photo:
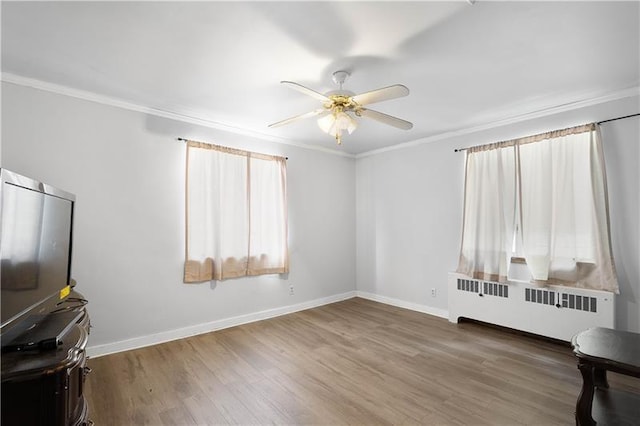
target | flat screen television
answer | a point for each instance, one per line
(35, 251)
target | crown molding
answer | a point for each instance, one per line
(185, 117)
(589, 101)
(192, 118)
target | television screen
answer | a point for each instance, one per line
(35, 250)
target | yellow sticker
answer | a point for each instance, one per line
(65, 292)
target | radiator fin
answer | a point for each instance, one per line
(536, 295)
(565, 300)
(483, 287)
(579, 303)
(496, 289)
(472, 286)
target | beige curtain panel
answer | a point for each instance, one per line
(236, 214)
(542, 198)
(489, 213)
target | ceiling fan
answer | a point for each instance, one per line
(340, 106)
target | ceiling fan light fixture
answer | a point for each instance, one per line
(326, 123)
(345, 122)
(337, 122)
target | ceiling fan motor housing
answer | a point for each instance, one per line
(339, 77)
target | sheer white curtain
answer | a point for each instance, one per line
(236, 213)
(489, 210)
(564, 216)
(268, 216)
(543, 198)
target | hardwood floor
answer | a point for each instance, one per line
(352, 362)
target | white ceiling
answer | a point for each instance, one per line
(466, 65)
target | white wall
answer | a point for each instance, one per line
(622, 160)
(409, 209)
(127, 171)
(408, 218)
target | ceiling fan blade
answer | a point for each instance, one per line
(386, 119)
(309, 92)
(298, 117)
(379, 95)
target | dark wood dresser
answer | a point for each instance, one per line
(47, 387)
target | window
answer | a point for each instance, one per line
(236, 213)
(542, 199)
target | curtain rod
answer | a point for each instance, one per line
(599, 122)
(187, 140)
(618, 118)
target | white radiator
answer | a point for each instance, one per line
(553, 311)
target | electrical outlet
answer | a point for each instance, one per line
(291, 290)
(433, 292)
